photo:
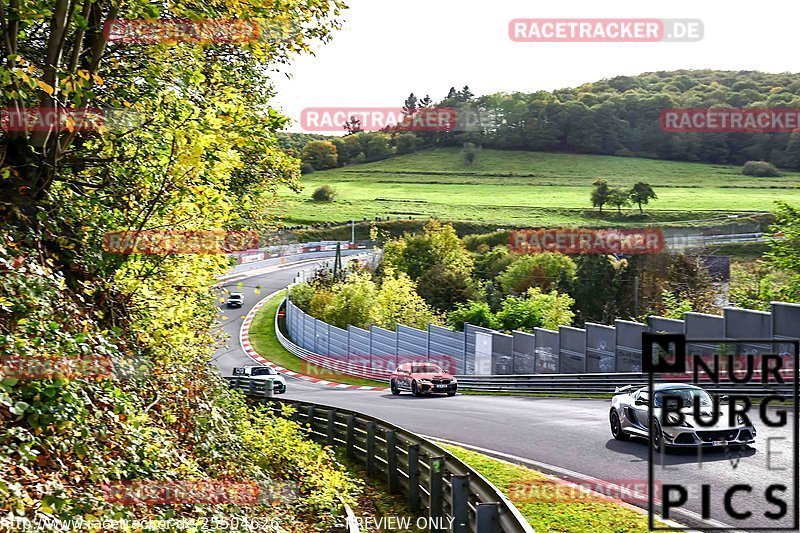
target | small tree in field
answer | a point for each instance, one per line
(619, 198)
(600, 193)
(326, 193)
(641, 194)
(469, 153)
(760, 169)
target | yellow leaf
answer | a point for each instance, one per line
(45, 87)
(83, 73)
(97, 79)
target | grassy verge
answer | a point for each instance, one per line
(573, 516)
(265, 342)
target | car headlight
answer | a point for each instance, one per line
(454, 381)
(425, 381)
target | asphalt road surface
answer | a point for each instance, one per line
(567, 437)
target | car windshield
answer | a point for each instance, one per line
(685, 396)
(235, 297)
(265, 371)
(425, 368)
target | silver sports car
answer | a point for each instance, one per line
(629, 412)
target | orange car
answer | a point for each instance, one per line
(423, 378)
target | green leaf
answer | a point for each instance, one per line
(19, 408)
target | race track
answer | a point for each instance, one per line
(567, 437)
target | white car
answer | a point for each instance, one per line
(263, 373)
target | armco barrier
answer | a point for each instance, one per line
(435, 483)
(601, 384)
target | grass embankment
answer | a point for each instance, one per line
(522, 484)
(265, 342)
(532, 188)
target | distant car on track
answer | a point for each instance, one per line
(630, 410)
(263, 373)
(422, 378)
(235, 299)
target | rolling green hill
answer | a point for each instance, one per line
(532, 188)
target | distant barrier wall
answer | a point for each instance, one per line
(482, 351)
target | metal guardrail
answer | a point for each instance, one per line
(435, 483)
(602, 384)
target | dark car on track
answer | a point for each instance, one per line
(422, 378)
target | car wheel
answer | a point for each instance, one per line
(657, 438)
(451, 393)
(395, 390)
(616, 427)
(414, 389)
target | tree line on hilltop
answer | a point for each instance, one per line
(617, 116)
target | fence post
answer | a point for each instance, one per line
(370, 448)
(310, 416)
(488, 517)
(331, 426)
(350, 439)
(413, 478)
(393, 477)
(436, 489)
(269, 390)
(459, 492)
(252, 387)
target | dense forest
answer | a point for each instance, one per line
(620, 116)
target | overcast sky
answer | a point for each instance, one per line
(389, 48)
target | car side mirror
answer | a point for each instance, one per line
(725, 399)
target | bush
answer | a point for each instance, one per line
(475, 313)
(545, 270)
(301, 295)
(326, 193)
(760, 169)
(306, 168)
(536, 310)
(320, 155)
(469, 153)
